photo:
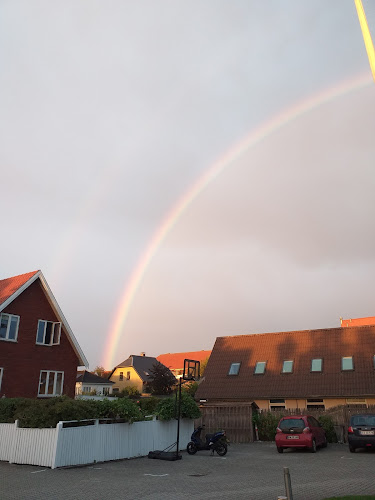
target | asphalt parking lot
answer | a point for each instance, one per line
(249, 471)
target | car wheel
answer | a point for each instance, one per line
(351, 449)
(191, 448)
(313, 446)
(280, 450)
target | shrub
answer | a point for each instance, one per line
(48, 412)
(130, 391)
(8, 408)
(167, 408)
(148, 405)
(267, 424)
(127, 409)
(329, 428)
(190, 388)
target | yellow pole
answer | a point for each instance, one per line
(366, 35)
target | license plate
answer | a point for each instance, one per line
(292, 437)
(366, 433)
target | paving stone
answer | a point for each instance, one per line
(248, 472)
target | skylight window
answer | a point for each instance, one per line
(347, 363)
(316, 365)
(234, 369)
(260, 367)
(288, 366)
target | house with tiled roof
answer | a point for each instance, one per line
(39, 353)
(135, 371)
(175, 361)
(89, 383)
(369, 320)
(299, 369)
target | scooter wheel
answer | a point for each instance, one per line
(221, 449)
(191, 448)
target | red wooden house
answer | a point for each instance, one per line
(39, 354)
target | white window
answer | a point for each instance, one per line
(234, 369)
(347, 363)
(9, 327)
(260, 368)
(86, 389)
(50, 383)
(121, 377)
(288, 366)
(1, 376)
(48, 332)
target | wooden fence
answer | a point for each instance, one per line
(236, 420)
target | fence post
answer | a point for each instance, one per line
(12, 453)
(288, 484)
(57, 453)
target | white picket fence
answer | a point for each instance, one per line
(98, 442)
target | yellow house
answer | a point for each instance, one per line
(133, 372)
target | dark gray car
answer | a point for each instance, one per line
(361, 431)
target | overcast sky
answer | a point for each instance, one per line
(111, 111)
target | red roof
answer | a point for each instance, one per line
(10, 285)
(330, 345)
(175, 361)
(370, 320)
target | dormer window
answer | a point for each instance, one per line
(316, 365)
(48, 332)
(260, 367)
(347, 363)
(9, 327)
(234, 369)
(288, 366)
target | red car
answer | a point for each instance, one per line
(300, 431)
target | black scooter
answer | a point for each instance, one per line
(214, 442)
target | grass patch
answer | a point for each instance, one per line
(353, 497)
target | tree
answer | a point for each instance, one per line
(99, 370)
(203, 366)
(162, 379)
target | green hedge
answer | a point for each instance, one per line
(48, 412)
(167, 408)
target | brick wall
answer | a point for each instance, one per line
(23, 360)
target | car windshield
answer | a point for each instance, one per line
(368, 420)
(289, 423)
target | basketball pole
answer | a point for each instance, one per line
(178, 416)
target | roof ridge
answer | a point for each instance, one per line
(294, 331)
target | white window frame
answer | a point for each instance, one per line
(10, 316)
(1, 376)
(54, 374)
(52, 341)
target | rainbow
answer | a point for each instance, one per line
(253, 138)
